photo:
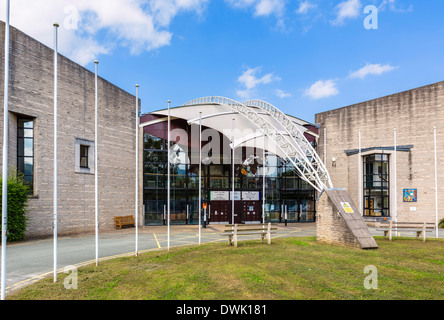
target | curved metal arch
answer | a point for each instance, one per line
(296, 135)
(303, 166)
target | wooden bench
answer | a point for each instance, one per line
(124, 221)
(233, 231)
(421, 228)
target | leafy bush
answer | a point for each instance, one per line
(441, 224)
(18, 193)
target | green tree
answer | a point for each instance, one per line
(18, 193)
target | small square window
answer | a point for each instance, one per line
(84, 156)
(84, 151)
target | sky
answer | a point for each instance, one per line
(302, 56)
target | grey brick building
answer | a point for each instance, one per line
(392, 175)
(31, 123)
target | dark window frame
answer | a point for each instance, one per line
(376, 189)
(83, 156)
(22, 156)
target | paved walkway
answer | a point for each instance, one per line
(30, 261)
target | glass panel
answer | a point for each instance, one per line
(218, 183)
(271, 194)
(21, 164)
(305, 185)
(154, 168)
(154, 181)
(28, 133)
(193, 182)
(292, 183)
(84, 151)
(177, 181)
(253, 183)
(237, 183)
(28, 166)
(83, 162)
(29, 180)
(154, 156)
(217, 171)
(20, 148)
(154, 143)
(272, 183)
(28, 148)
(154, 194)
(84, 156)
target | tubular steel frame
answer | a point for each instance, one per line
(297, 149)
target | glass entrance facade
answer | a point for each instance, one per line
(376, 185)
(286, 195)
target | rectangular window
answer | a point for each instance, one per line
(376, 186)
(25, 150)
(84, 151)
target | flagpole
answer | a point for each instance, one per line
(396, 176)
(263, 186)
(360, 174)
(200, 177)
(137, 170)
(55, 148)
(436, 183)
(5, 157)
(169, 176)
(232, 183)
(96, 169)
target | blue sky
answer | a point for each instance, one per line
(304, 57)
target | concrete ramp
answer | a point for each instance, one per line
(340, 222)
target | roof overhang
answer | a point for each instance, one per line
(223, 119)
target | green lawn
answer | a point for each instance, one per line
(288, 269)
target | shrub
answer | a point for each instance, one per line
(441, 223)
(18, 193)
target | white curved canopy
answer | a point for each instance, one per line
(257, 124)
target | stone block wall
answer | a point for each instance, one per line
(414, 114)
(330, 227)
(31, 90)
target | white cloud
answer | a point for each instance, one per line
(348, 9)
(322, 89)
(260, 7)
(372, 69)
(250, 81)
(139, 25)
(165, 10)
(282, 94)
(304, 7)
(392, 6)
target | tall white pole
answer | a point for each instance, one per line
(233, 182)
(137, 170)
(263, 184)
(5, 158)
(169, 176)
(96, 166)
(55, 148)
(396, 178)
(200, 177)
(360, 175)
(436, 185)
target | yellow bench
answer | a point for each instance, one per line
(124, 221)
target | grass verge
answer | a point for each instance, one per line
(288, 269)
